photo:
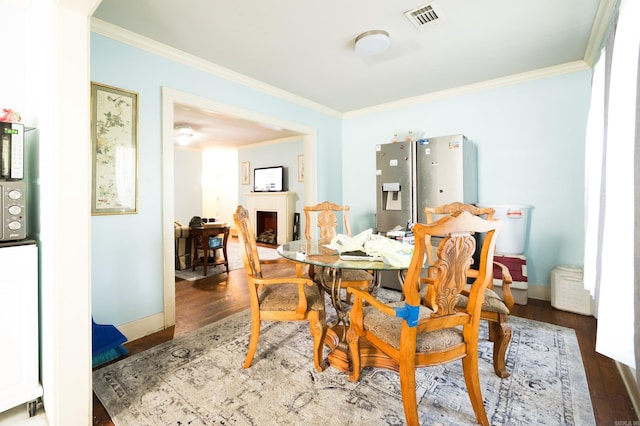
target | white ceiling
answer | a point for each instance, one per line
(306, 48)
(212, 129)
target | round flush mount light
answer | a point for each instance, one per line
(372, 42)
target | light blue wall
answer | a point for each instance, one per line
(277, 154)
(127, 249)
(530, 138)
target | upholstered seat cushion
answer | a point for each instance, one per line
(388, 329)
(347, 275)
(492, 302)
(284, 297)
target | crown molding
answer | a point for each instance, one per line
(599, 30)
(136, 40)
(476, 87)
(122, 35)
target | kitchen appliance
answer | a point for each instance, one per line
(11, 151)
(12, 184)
(413, 174)
(12, 208)
(417, 173)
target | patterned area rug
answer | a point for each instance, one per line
(198, 379)
(235, 262)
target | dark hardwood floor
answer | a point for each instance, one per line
(208, 300)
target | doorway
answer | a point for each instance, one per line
(171, 97)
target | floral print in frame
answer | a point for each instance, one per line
(114, 139)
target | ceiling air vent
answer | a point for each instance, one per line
(423, 15)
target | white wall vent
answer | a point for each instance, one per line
(423, 15)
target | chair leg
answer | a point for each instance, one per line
(500, 335)
(253, 342)
(318, 330)
(354, 351)
(472, 380)
(408, 393)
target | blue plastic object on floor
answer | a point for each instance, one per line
(106, 343)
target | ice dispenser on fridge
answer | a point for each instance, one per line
(391, 196)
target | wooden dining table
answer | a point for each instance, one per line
(314, 252)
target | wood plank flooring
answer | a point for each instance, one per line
(208, 300)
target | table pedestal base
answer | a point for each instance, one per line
(340, 358)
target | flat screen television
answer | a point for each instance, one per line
(269, 179)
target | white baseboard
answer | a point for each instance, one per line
(142, 327)
(629, 378)
(540, 292)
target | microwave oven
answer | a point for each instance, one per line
(11, 151)
(13, 211)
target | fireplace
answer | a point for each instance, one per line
(267, 227)
(272, 210)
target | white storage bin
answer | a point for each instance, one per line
(568, 292)
(515, 223)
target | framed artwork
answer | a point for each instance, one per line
(301, 168)
(114, 153)
(246, 176)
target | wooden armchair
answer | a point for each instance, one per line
(409, 334)
(495, 309)
(281, 298)
(327, 223)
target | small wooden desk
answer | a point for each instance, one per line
(200, 241)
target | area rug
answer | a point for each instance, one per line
(198, 379)
(235, 262)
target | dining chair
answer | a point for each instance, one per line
(278, 298)
(326, 224)
(495, 309)
(410, 335)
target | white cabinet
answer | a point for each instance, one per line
(19, 357)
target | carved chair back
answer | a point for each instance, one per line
(326, 220)
(448, 274)
(247, 239)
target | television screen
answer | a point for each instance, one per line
(268, 179)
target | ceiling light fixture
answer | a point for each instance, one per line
(372, 42)
(183, 133)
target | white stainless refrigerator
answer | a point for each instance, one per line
(415, 174)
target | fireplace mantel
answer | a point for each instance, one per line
(283, 203)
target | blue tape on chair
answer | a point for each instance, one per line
(409, 313)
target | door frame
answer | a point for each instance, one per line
(169, 98)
